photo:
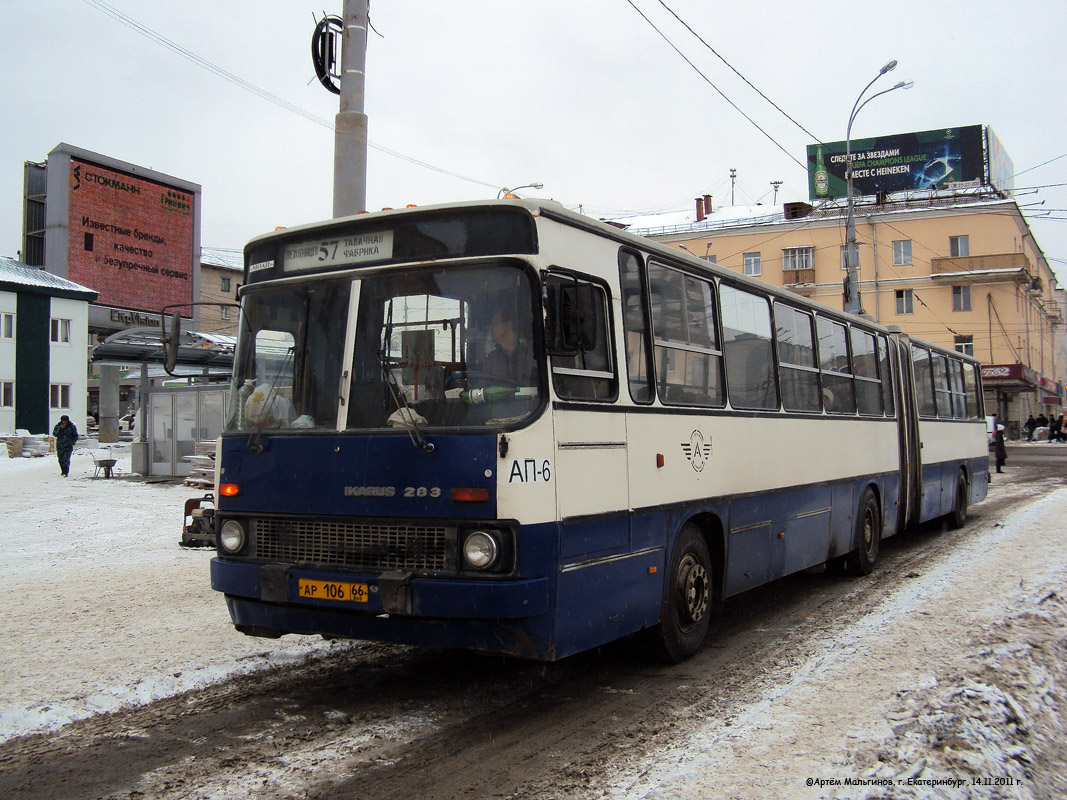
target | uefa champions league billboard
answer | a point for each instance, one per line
(937, 159)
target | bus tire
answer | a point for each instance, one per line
(958, 516)
(687, 607)
(868, 535)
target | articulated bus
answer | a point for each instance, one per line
(507, 427)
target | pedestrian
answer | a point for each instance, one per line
(1042, 421)
(999, 451)
(1030, 426)
(66, 434)
(1055, 430)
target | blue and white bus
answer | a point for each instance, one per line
(507, 427)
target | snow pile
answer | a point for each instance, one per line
(106, 610)
(982, 735)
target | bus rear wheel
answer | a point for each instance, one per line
(868, 535)
(687, 606)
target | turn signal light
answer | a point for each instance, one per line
(229, 489)
(470, 495)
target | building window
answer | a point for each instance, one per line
(7, 394)
(712, 259)
(61, 331)
(959, 246)
(905, 301)
(7, 326)
(844, 256)
(225, 311)
(60, 395)
(752, 264)
(961, 298)
(225, 284)
(798, 257)
(902, 252)
(965, 345)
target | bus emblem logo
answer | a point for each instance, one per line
(697, 450)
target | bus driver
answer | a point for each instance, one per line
(512, 359)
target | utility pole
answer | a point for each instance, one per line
(350, 126)
(733, 178)
(775, 184)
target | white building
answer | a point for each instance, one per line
(44, 341)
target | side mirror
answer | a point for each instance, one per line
(170, 339)
(573, 316)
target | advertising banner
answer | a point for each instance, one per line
(129, 238)
(902, 162)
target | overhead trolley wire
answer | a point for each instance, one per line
(248, 86)
(738, 74)
(713, 86)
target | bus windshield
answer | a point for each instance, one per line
(433, 348)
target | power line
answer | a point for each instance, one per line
(248, 86)
(713, 86)
(738, 74)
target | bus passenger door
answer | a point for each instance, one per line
(910, 450)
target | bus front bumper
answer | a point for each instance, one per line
(388, 593)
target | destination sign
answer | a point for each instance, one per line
(342, 251)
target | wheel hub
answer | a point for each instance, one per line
(694, 589)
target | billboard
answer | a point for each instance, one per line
(901, 162)
(129, 238)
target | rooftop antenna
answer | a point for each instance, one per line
(776, 184)
(733, 179)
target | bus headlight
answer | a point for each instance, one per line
(232, 536)
(481, 550)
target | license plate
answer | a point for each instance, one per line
(334, 590)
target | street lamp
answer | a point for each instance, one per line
(852, 292)
(510, 193)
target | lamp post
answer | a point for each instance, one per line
(852, 292)
(510, 193)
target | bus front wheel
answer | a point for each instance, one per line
(687, 606)
(868, 535)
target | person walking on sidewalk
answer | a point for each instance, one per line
(66, 436)
(1000, 453)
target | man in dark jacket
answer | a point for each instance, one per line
(1000, 452)
(66, 435)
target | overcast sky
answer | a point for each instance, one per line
(581, 95)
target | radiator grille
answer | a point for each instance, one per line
(360, 546)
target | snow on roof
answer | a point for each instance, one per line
(743, 216)
(225, 257)
(16, 276)
(679, 221)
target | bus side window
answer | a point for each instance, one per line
(685, 338)
(942, 392)
(970, 383)
(924, 381)
(639, 367)
(956, 386)
(796, 359)
(837, 385)
(580, 343)
(865, 366)
(887, 376)
(749, 348)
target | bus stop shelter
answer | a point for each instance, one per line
(175, 410)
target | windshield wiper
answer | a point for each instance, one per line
(407, 415)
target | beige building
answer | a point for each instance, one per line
(963, 272)
(220, 277)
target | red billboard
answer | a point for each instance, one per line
(129, 238)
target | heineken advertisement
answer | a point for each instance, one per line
(899, 163)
